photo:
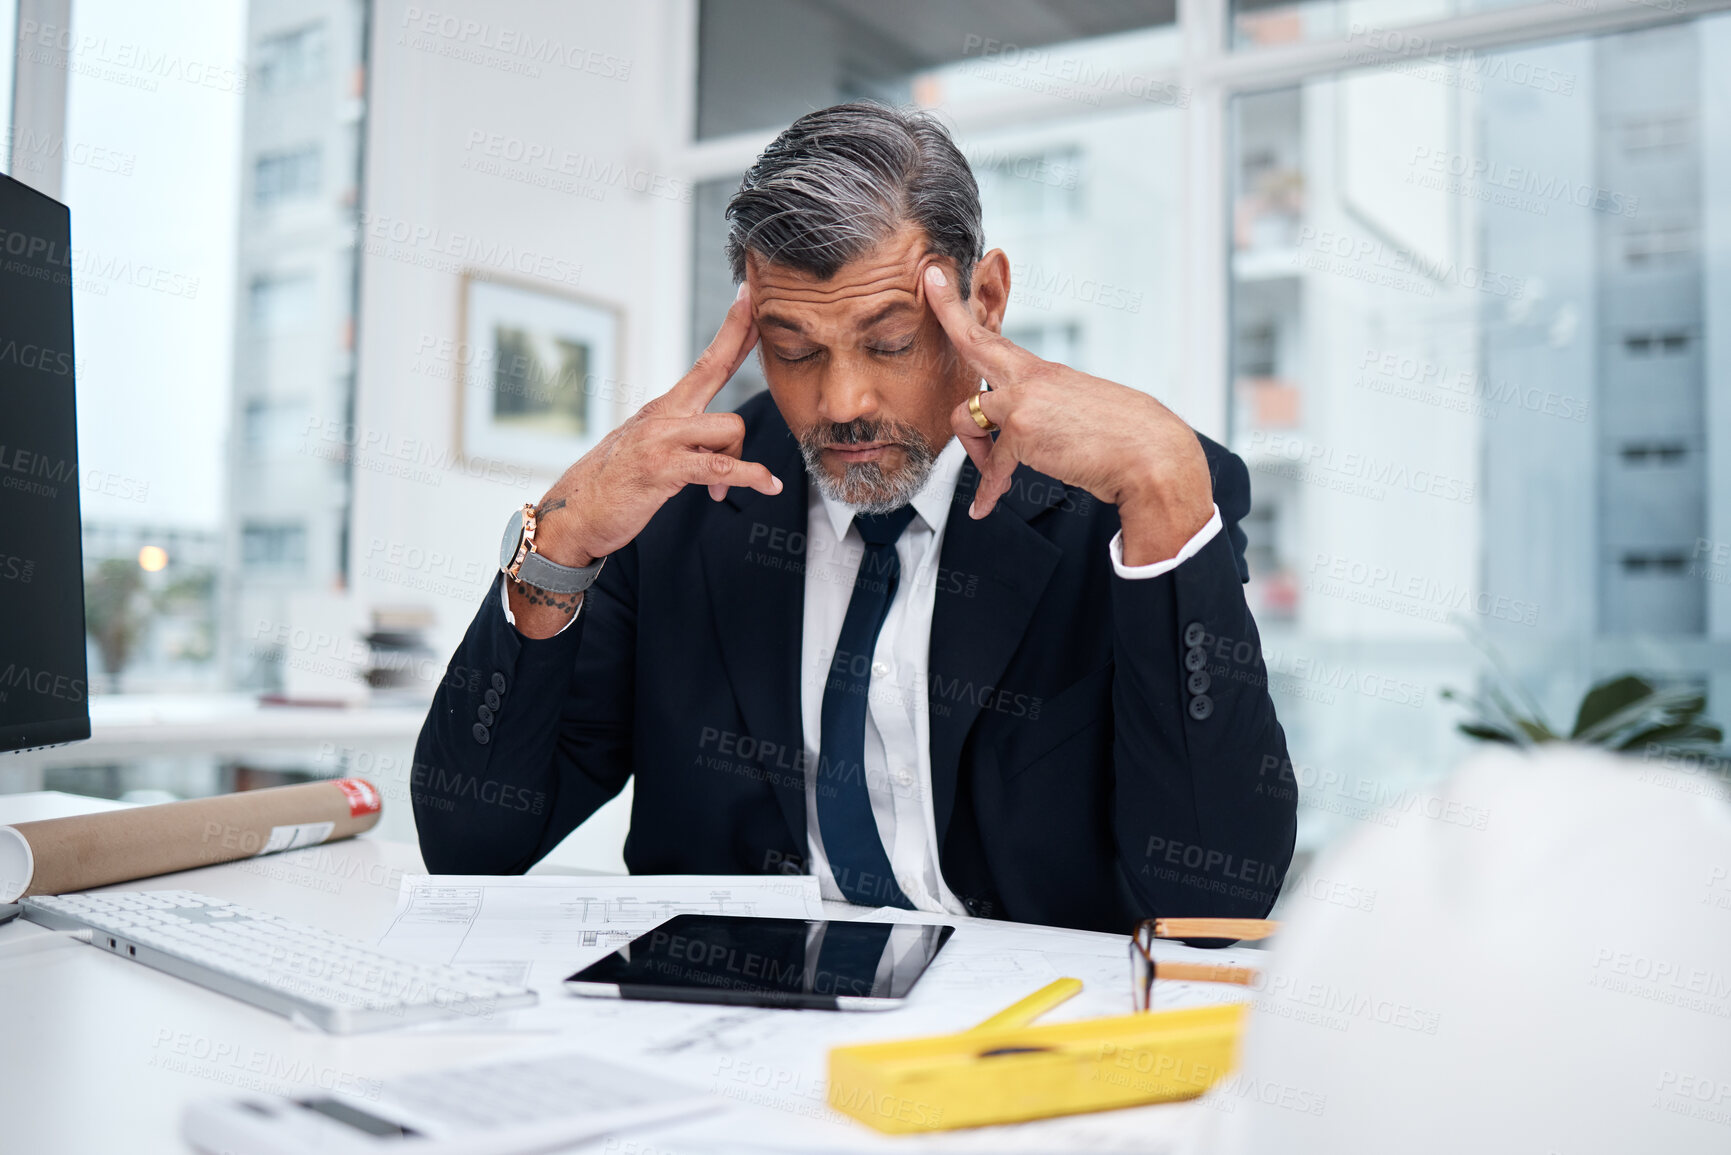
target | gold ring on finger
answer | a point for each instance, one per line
(980, 418)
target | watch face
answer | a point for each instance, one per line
(513, 539)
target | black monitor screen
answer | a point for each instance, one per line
(43, 687)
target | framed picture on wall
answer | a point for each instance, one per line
(540, 381)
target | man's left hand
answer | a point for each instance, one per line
(1118, 443)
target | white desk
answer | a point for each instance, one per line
(99, 1054)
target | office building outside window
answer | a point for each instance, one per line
(274, 548)
(290, 470)
(1472, 331)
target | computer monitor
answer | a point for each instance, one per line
(44, 686)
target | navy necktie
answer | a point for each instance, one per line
(844, 808)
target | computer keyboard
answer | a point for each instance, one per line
(335, 983)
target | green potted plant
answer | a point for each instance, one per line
(1627, 713)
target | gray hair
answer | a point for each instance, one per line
(840, 180)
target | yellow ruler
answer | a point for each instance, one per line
(1006, 1070)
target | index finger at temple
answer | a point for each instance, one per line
(990, 355)
(717, 364)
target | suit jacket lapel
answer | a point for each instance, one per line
(1001, 565)
(756, 586)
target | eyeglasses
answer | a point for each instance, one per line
(1144, 970)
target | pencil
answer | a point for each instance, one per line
(1204, 973)
(1239, 928)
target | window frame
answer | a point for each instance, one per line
(1211, 72)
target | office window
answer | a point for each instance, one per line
(1060, 342)
(1471, 328)
(280, 548)
(290, 60)
(280, 304)
(273, 426)
(1650, 134)
(150, 166)
(286, 176)
(1035, 188)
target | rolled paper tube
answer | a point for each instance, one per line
(62, 855)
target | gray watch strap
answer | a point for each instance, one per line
(546, 575)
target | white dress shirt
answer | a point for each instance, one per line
(898, 761)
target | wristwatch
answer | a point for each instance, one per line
(520, 562)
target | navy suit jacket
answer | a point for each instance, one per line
(1083, 774)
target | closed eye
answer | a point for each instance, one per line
(891, 351)
(789, 359)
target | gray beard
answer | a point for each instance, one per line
(866, 487)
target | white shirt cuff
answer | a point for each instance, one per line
(1156, 568)
(505, 600)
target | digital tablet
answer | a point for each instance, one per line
(768, 962)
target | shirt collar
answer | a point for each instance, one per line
(932, 503)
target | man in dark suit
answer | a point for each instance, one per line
(980, 652)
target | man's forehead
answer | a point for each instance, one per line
(866, 284)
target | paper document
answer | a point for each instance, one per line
(771, 1064)
(539, 929)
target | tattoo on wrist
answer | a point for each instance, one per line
(536, 596)
(549, 506)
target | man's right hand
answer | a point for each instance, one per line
(609, 494)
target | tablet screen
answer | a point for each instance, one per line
(783, 960)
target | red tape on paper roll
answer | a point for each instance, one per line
(363, 798)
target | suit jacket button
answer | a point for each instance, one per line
(491, 697)
(1201, 706)
(485, 715)
(499, 681)
(1198, 682)
(1195, 634)
(1195, 658)
(481, 733)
